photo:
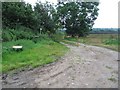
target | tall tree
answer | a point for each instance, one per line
(77, 17)
(17, 13)
(44, 17)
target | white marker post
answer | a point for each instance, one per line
(40, 31)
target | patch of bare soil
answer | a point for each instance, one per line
(82, 67)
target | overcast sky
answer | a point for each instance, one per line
(108, 13)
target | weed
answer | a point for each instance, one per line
(108, 67)
(112, 79)
(103, 40)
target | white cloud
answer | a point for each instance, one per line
(108, 14)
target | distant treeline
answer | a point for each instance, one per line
(105, 31)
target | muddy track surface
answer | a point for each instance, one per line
(82, 67)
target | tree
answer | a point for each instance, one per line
(44, 17)
(17, 20)
(17, 13)
(21, 14)
(77, 17)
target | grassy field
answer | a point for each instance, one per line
(103, 40)
(33, 54)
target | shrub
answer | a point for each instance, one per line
(7, 35)
(15, 34)
(41, 37)
(58, 36)
(22, 32)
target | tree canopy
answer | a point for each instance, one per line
(77, 17)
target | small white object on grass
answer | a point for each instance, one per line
(17, 47)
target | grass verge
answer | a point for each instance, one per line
(70, 42)
(34, 55)
(103, 40)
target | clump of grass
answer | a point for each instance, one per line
(71, 43)
(103, 40)
(59, 36)
(108, 67)
(71, 39)
(111, 42)
(112, 79)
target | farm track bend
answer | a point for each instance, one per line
(83, 66)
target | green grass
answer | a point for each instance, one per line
(34, 55)
(70, 42)
(103, 40)
(111, 42)
(7, 46)
(112, 79)
(71, 39)
(108, 67)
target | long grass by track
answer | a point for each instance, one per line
(33, 55)
(103, 40)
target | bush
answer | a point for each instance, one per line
(41, 37)
(7, 35)
(23, 32)
(15, 34)
(58, 36)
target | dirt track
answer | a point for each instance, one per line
(82, 67)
